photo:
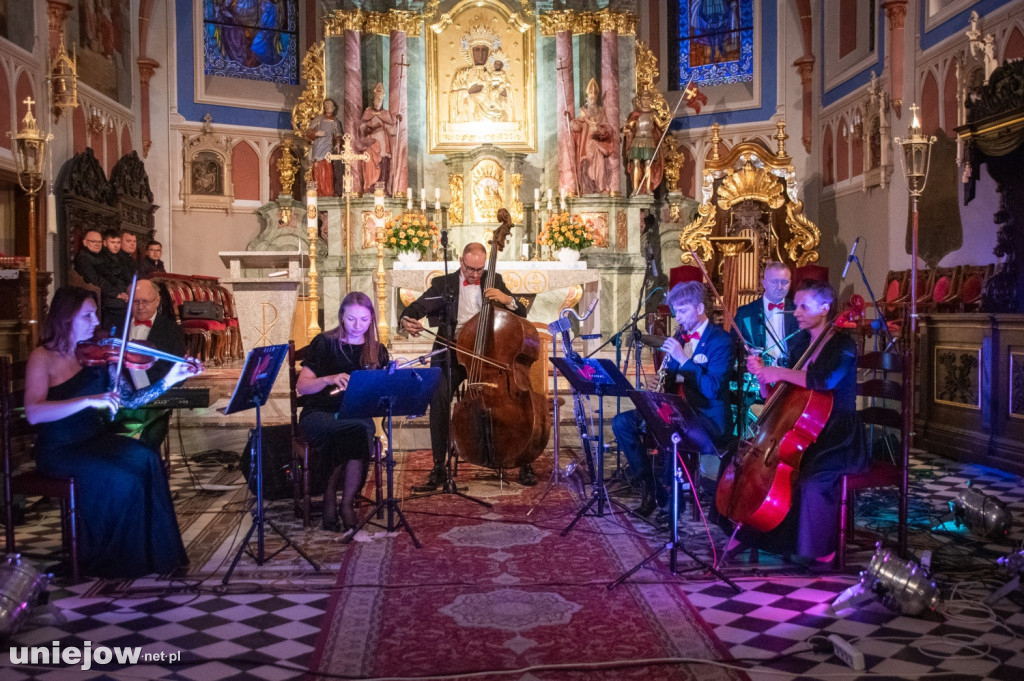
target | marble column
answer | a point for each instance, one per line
(610, 97)
(896, 12)
(565, 88)
(146, 68)
(398, 104)
(352, 107)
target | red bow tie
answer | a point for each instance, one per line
(687, 337)
(776, 306)
(144, 322)
(465, 282)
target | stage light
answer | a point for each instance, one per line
(21, 585)
(901, 585)
(1014, 564)
(983, 515)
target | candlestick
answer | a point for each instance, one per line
(549, 199)
(423, 203)
(536, 196)
(408, 203)
(437, 201)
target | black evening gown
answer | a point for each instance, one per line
(126, 522)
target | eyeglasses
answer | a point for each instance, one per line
(147, 301)
(474, 270)
(92, 241)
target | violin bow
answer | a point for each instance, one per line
(124, 339)
(721, 301)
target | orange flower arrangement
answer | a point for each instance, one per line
(411, 232)
(564, 231)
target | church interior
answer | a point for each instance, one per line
(249, 177)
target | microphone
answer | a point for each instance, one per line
(650, 259)
(856, 242)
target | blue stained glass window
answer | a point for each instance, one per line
(251, 39)
(714, 41)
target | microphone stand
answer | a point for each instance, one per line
(879, 324)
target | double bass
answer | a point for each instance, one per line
(499, 421)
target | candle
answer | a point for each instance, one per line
(423, 204)
(437, 203)
(423, 194)
(536, 196)
(526, 251)
(549, 198)
(408, 203)
(536, 204)
(437, 195)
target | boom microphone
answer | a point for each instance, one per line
(856, 242)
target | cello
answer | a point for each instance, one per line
(497, 347)
(756, 488)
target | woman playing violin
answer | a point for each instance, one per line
(126, 517)
(809, 531)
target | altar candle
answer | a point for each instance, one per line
(408, 203)
(423, 194)
(437, 195)
(437, 203)
(536, 196)
(536, 203)
(562, 199)
(549, 199)
(526, 251)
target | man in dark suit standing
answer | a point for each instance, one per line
(97, 267)
(466, 287)
(163, 333)
(699, 367)
(769, 327)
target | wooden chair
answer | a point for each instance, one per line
(943, 289)
(880, 386)
(30, 482)
(971, 287)
(894, 289)
(303, 452)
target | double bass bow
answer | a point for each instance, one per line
(498, 405)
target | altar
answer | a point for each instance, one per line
(544, 279)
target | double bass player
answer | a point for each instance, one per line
(466, 286)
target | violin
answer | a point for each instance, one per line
(138, 354)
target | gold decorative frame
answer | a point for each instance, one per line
(444, 56)
(750, 172)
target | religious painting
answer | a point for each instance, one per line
(480, 76)
(715, 41)
(207, 174)
(488, 190)
(251, 39)
(104, 47)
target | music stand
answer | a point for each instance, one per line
(589, 376)
(385, 393)
(253, 389)
(669, 419)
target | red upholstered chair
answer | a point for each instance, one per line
(678, 275)
(235, 350)
(942, 289)
(197, 339)
(971, 288)
(812, 271)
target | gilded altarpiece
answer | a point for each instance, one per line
(481, 84)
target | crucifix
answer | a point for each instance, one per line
(347, 156)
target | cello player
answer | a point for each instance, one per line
(466, 285)
(699, 369)
(809, 530)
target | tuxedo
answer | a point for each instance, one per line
(703, 379)
(165, 335)
(431, 305)
(750, 324)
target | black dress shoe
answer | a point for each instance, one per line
(646, 507)
(526, 476)
(330, 525)
(433, 481)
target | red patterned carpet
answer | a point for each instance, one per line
(495, 589)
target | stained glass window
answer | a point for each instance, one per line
(251, 39)
(714, 41)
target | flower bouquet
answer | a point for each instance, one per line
(567, 234)
(411, 233)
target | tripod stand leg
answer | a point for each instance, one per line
(639, 565)
(289, 542)
(238, 554)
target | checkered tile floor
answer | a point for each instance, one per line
(266, 628)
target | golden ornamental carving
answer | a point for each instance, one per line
(311, 101)
(585, 23)
(339, 21)
(646, 76)
(487, 189)
(696, 235)
(750, 183)
(674, 159)
(804, 235)
(287, 167)
(515, 207)
(455, 207)
(572, 298)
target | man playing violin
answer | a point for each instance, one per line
(159, 330)
(698, 367)
(809, 530)
(468, 293)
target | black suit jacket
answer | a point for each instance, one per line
(167, 336)
(431, 304)
(750, 324)
(99, 269)
(704, 380)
